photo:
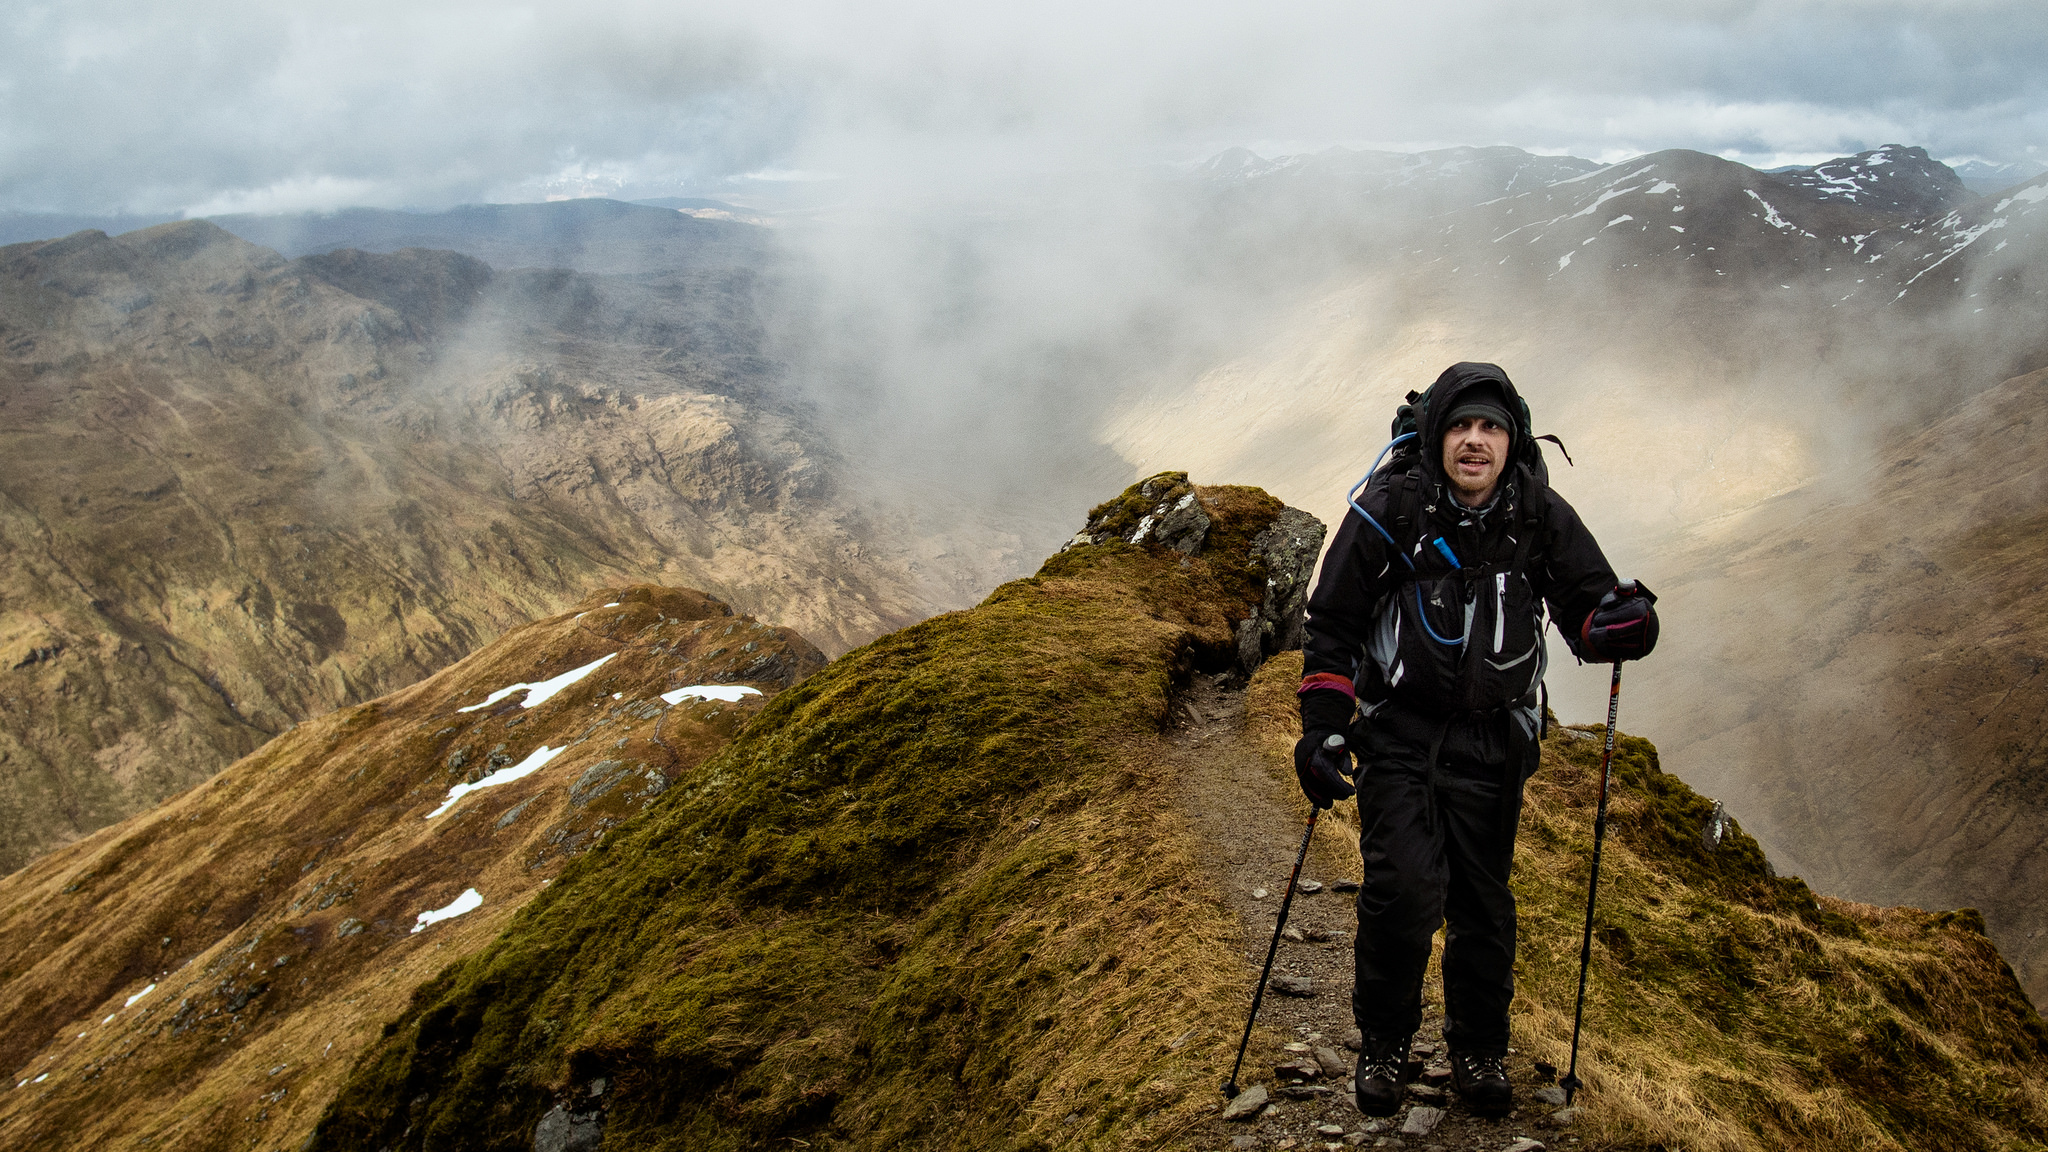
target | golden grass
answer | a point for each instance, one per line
(233, 897)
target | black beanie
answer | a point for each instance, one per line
(1483, 399)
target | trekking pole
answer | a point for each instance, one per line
(1258, 997)
(1571, 1082)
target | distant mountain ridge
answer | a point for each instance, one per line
(1891, 179)
(587, 235)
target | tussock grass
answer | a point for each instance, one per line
(933, 897)
(1729, 1009)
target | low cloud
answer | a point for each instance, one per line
(115, 104)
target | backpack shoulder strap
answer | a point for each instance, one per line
(1532, 515)
(1405, 502)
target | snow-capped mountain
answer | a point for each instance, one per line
(1686, 212)
(1893, 178)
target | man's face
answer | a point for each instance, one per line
(1475, 451)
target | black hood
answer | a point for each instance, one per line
(1443, 397)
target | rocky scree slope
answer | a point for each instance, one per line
(934, 896)
(1903, 752)
(203, 974)
(238, 491)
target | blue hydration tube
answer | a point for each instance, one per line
(1352, 499)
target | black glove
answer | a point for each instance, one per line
(1322, 763)
(1326, 710)
(1623, 627)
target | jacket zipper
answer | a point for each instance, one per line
(1500, 607)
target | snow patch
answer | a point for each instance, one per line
(2034, 195)
(138, 996)
(1772, 218)
(1563, 260)
(1616, 220)
(1966, 238)
(469, 901)
(534, 762)
(730, 693)
(1609, 194)
(1663, 186)
(545, 690)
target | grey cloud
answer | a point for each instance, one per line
(114, 104)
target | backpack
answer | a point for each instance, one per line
(1496, 660)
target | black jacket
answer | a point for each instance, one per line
(1378, 622)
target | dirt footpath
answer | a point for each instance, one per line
(1250, 815)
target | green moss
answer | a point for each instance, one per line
(1120, 516)
(1763, 1015)
(925, 899)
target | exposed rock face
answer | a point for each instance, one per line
(1163, 509)
(1287, 550)
(237, 492)
(1167, 511)
(273, 914)
(564, 1131)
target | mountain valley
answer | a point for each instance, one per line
(242, 492)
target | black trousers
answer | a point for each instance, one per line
(1438, 841)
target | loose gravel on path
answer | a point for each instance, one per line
(1251, 822)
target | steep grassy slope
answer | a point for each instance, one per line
(201, 975)
(1730, 1009)
(935, 896)
(1902, 641)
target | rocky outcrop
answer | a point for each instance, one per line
(1163, 510)
(1168, 512)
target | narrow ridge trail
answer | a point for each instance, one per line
(1238, 793)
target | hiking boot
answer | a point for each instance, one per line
(1382, 1065)
(1482, 1082)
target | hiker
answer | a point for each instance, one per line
(1424, 649)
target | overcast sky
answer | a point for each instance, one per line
(211, 107)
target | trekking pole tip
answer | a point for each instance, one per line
(1230, 1089)
(1571, 1085)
